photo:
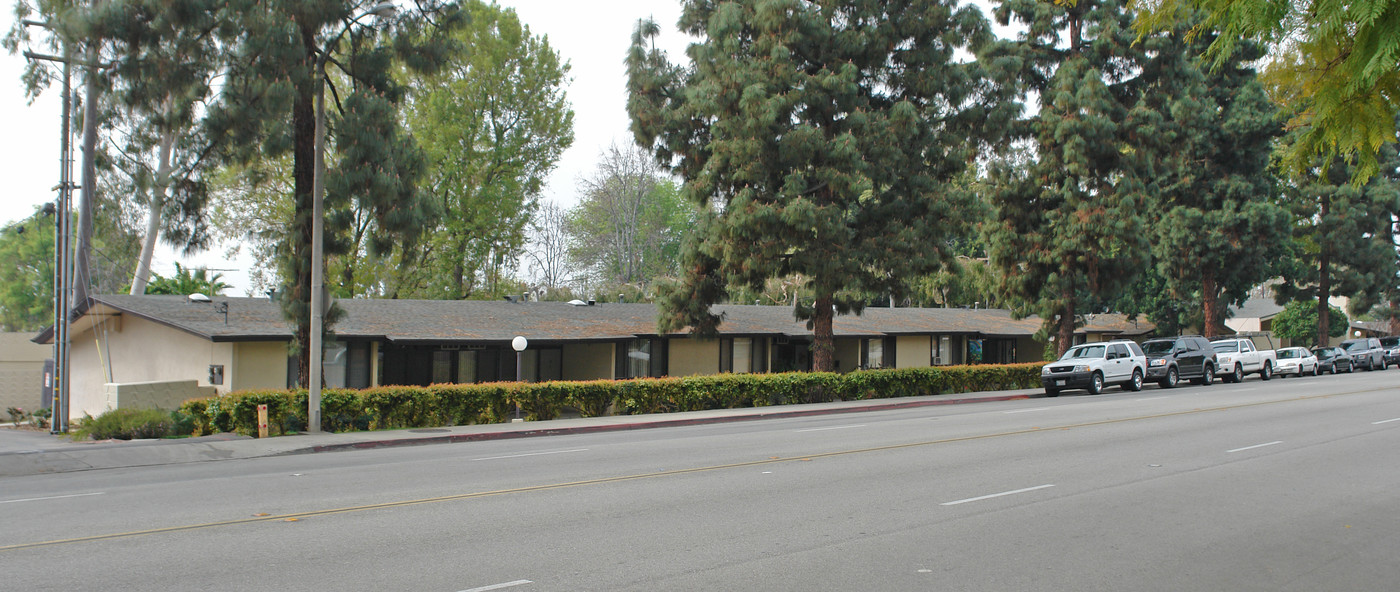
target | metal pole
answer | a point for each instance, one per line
(64, 256)
(318, 187)
(519, 355)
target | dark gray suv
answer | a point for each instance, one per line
(1365, 352)
(1172, 359)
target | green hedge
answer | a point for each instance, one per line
(396, 407)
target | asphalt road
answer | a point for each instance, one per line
(1281, 485)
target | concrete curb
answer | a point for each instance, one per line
(52, 455)
(642, 425)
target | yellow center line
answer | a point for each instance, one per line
(621, 478)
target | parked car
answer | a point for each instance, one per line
(1296, 361)
(1237, 357)
(1365, 352)
(1392, 350)
(1333, 359)
(1172, 359)
(1091, 366)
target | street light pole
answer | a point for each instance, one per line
(318, 191)
(519, 344)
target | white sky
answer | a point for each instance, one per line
(592, 37)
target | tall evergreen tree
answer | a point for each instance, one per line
(821, 139)
(267, 109)
(1221, 231)
(1068, 231)
(1343, 238)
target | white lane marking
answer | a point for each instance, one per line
(36, 499)
(499, 586)
(1148, 399)
(1384, 421)
(1028, 410)
(531, 454)
(987, 497)
(845, 427)
(1255, 446)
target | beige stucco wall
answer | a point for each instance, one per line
(141, 351)
(153, 395)
(912, 351)
(257, 365)
(847, 354)
(21, 371)
(693, 356)
(588, 361)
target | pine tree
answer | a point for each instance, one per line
(1343, 238)
(820, 138)
(1068, 231)
(266, 110)
(1221, 231)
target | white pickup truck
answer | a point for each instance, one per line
(1238, 356)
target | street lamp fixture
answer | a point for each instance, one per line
(519, 344)
(318, 191)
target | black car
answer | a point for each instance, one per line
(1171, 359)
(1392, 350)
(1332, 359)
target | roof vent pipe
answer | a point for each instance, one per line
(591, 302)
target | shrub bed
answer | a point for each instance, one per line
(396, 407)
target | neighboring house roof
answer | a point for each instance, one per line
(1256, 308)
(439, 321)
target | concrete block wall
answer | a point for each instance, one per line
(166, 395)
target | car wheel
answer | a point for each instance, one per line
(1238, 375)
(1136, 383)
(1317, 370)
(1096, 384)
(1171, 379)
(1267, 372)
(1208, 378)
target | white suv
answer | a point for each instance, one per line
(1092, 365)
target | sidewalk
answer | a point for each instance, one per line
(24, 452)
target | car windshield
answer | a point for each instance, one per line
(1354, 346)
(1083, 352)
(1226, 347)
(1158, 347)
(1289, 354)
(1322, 352)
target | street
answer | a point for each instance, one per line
(1281, 485)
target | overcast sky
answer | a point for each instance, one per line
(593, 37)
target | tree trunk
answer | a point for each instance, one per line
(1064, 335)
(1324, 282)
(153, 218)
(1210, 299)
(82, 272)
(823, 340)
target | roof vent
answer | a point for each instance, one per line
(591, 302)
(511, 298)
(197, 297)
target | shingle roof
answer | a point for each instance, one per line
(436, 321)
(1256, 308)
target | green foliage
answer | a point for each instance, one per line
(493, 123)
(132, 424)
(188, 281)
(398, 407)
(1298, 322)
(1220, 232)
(1068, 233)
(822, 139)
(26, 280)
(1335, 67)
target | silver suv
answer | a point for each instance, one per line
(1365, 353)
(1091, 366)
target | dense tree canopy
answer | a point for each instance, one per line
(1068, 232)
(1335, 67)
(1299, 323)
(821, 138)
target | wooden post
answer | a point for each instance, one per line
(262, 421)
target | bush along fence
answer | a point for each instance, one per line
(395, 407)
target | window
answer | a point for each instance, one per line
(638, 358)
(466, 366)
(874, 353)
(442, 367)
(743, 355)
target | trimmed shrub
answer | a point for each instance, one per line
(396, 407)
(132, 424)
